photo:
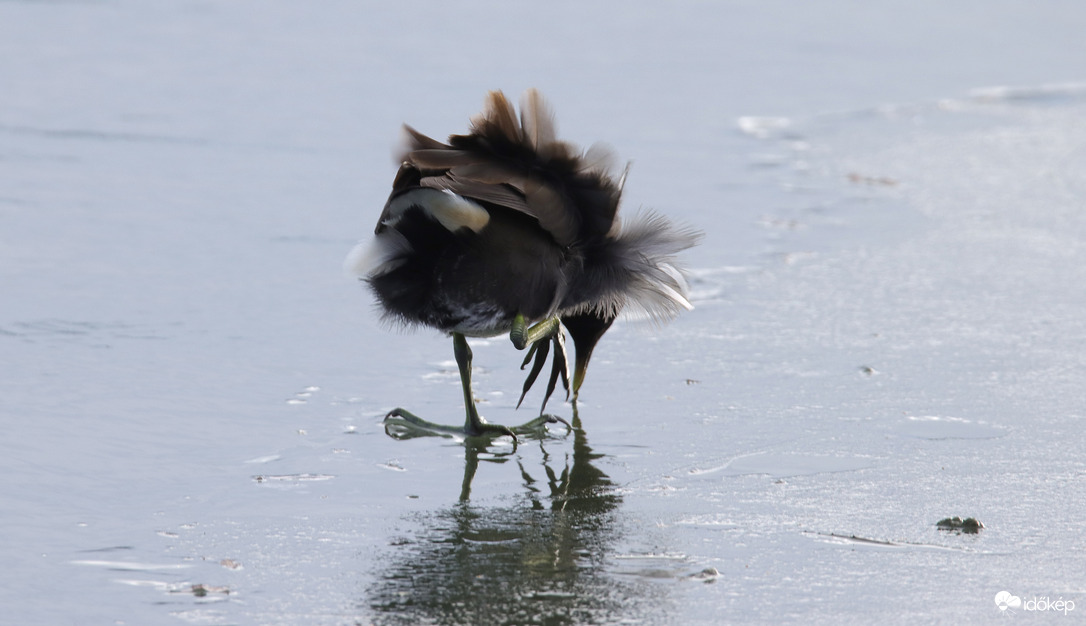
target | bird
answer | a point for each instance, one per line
(507, 229)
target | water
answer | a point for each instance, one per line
(888, 326)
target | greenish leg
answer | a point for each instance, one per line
(474, 424)
(538, 339)
(522, 336)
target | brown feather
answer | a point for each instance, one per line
(498, 163)
(501, 195)
(443, 159)
(537, 120)
(491, 173)
(499, 114)
(417, 141)
(549, 207)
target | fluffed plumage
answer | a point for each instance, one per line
(507, 220)
(557, 211)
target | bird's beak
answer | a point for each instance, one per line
(579, 371)
(585, 329)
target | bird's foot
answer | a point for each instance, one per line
(538, 426)
(402, 424)
(539, 351)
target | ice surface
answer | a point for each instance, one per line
(888, 327)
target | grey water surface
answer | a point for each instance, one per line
(888, 329)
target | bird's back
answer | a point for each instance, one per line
(518, 166)
(508, 219)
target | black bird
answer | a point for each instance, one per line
(508, 230)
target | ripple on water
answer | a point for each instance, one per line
(781, 465)
(936, 428)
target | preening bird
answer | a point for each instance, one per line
(508, 230)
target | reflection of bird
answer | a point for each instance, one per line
(544, 559)
(507, 229)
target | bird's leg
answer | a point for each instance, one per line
(522, 335)
(539, 337)
(474, 424)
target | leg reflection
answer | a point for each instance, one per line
(541, 559)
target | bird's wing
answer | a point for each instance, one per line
(521, 166)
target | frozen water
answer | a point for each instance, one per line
(888, 327)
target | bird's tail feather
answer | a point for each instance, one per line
(635, 269)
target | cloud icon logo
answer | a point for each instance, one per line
(1004, 600)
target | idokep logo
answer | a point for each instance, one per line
(1006, 603)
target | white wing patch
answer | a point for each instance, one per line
(451, 210)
